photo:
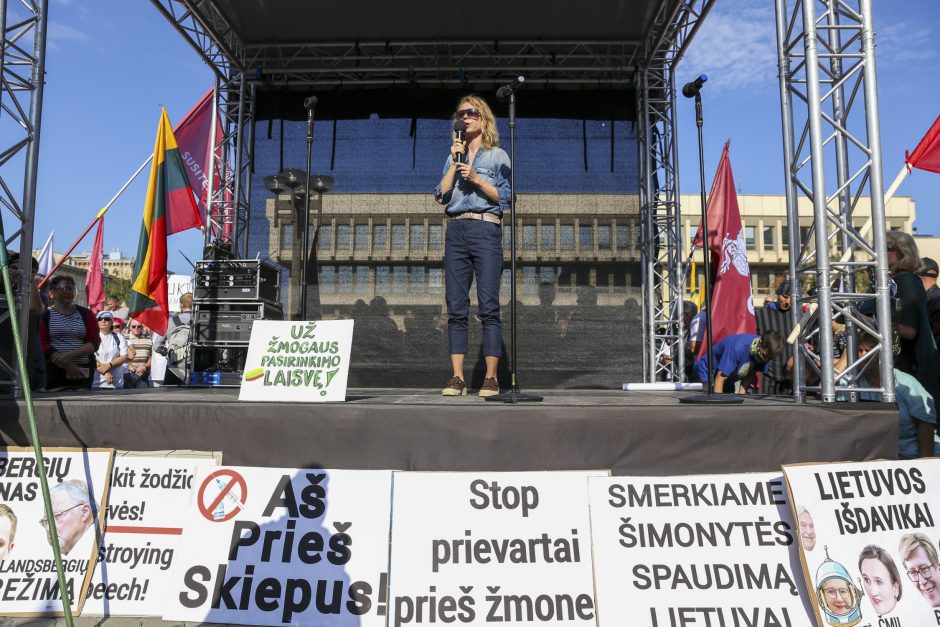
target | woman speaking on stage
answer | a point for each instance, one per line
(475, 188)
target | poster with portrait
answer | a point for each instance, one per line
(142, 533)
(694, 551)
(78, 487)
(869, 537)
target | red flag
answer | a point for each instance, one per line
(732, 310)
(94, 282)
(192, 137)
(927, 154)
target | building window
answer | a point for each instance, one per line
(343, 237)
(603, 237)
(417, 279)
(326, 236)
(400, 280)
(548, 238)
(529, 283)
(769, 238)
(435, 280)
(586, 237)
(417, 238)
(435, 237)
(344, 279)
(506, 235)
(398, 237)
(379, 238)
(362, 279)
(567, 236)
(287, 236)
(362, 237)
(328, 278)
(528, 237)
(750, 241)
(623, 237)
(804, 234)
(382, 280)
(785, 237)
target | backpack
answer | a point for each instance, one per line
(177, 346)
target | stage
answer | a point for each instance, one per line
(631, 433)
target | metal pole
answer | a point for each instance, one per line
(793, 213)
(676, 276)
(211, 205)
(649, 240)
(876, 187)
(706, 250)
(250, 166)
(235, 213)
(823, 284)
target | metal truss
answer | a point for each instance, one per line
(673, 27)
(210, 33)
(832, 155)
(441, 63)
(22, 68)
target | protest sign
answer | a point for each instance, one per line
(142, 532)
(269, 546)
(297, 361)
(479, 548)
(696, 550)
(78, 481)
(176, 286)
(869, 538)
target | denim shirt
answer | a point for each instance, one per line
(491, 165)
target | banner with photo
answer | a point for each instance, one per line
(476, 548)
(78, 486)
(869, 538)
(714, 550)
(275, 546)
(142, 533)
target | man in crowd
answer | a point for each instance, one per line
(139, 357)
(7, 531)
(72, 512)
(922, 565)
(738, 359)
(928, 276)
(113, 304)
(777, 316)
(175, 344)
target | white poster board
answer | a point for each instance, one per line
(142, 533)
(270, 546)
(78, 485)
(478, 548)
(176, 286)
(297, 361)
(869, 540)
(696, 550)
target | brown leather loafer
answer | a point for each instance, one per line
(490, 387)
(455, 387)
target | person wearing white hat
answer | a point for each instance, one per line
(110, 356)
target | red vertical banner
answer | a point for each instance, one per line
(94, 282)
(732, 310)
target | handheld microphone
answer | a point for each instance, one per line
(310, 103)
(690, 90)
(460, 130)
(505, 91)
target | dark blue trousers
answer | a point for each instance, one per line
(473, 249)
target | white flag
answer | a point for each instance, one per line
(46, 262)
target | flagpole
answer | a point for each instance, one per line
(98, 217)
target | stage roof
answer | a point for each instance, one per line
(277, 22)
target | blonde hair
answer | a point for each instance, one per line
(913, 541)
(7, 512)
(489, 134)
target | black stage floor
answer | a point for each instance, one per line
(639, 433)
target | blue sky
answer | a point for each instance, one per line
(112, 65)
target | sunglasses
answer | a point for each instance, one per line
(137, 326)
(473, 114)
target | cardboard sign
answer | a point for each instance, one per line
(176, 286)
(297, 361)
(869, 540)
(479, 548)
(269, 546)
(78, 486)
(696, 550)
(142, 533)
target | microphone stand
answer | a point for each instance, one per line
(513, 395)
(305, 254)
(710, 396)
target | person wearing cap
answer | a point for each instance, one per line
(928, 276)
(110, 356)
(778, 378)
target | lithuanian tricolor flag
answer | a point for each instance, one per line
(167, 192)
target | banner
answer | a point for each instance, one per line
(78, 483)
(696, 550)
(869, 538)
(481, 548)
(142, 533)
(297, 361)
(269, 546)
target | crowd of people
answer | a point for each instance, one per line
(763, 362)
